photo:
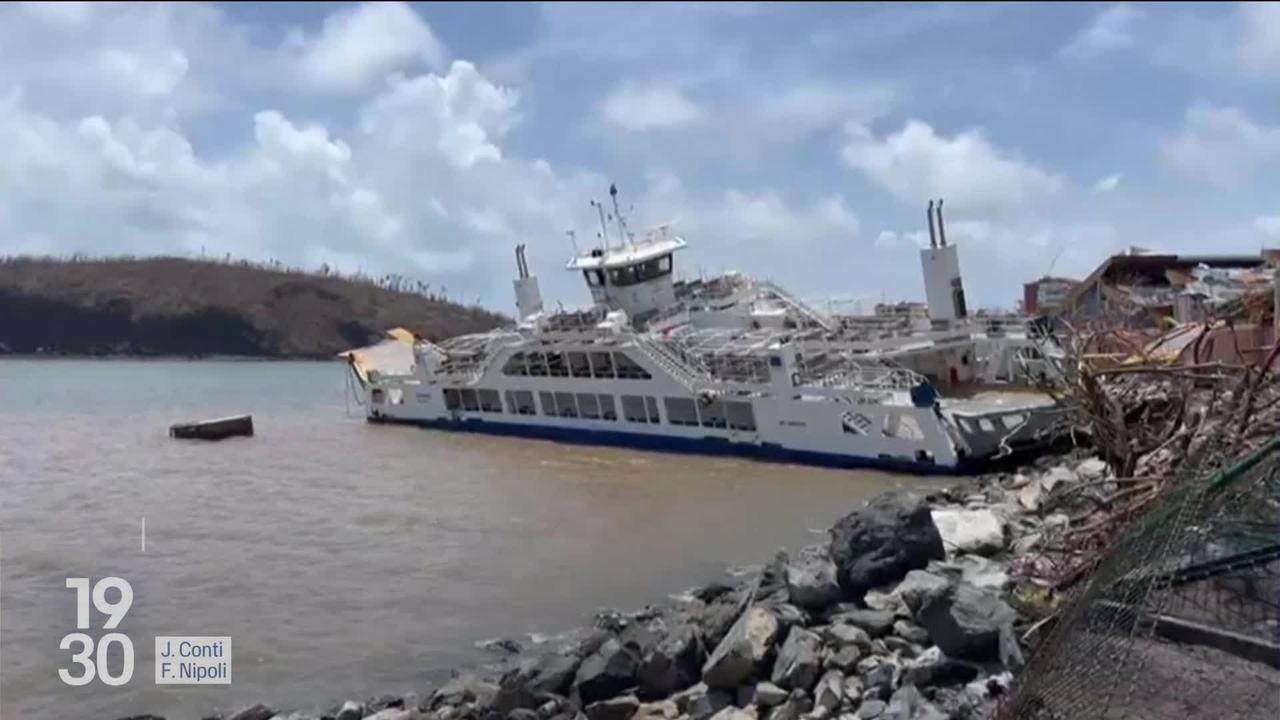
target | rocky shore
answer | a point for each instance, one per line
(913, 609)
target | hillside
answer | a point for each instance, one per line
(175, 306)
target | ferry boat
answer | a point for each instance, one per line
(730, 364)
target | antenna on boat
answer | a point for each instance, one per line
(942, 231)
(617, 213)
(604, 229)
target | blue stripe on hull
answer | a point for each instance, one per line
(700, 446)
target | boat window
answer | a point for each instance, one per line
(619, 277)
(556, 366)
(537, 364)
(566, 405)
(855, 423)
(378, 396)
(652, 404)
(607, 410)
(490, 402)
(451, 399)
(633, 409)
(588, 406)
(986, 425)
(681, 411)
(905, 427)
(515, 365)
(601, 365)
(548, 403)
(524, 403)
(595, 278)
(470, 401)
(628, 368)
(741, 416)
(579, 366)
(712, 414)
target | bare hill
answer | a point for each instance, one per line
(176, 306)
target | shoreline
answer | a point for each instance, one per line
(811, 634)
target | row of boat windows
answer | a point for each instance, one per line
(602, 365)
(733, 415)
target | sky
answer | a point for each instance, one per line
(797, 142)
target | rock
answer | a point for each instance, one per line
(733, 713)
(293, 716)
(1027, 543)
(768, 694)
(673, 665)
(788, 615)
(524, 714)
(350, 710)
(876, 623)
(256, 712)
(970, 531)
(744, 649)
(881, 542)
(1030, 495)
(973, 624)
(909, 704)
(501, 645)
(829, 691)
(618, 708)
(886, 602)
(852, 691)
(871, 709)
(643, 637)
(529, 684)
(465, 688)
(882, 677)
(798, 660)
(973, 570)
(840, 635)
(1092, 469)
(664, 710)
(607, 672)
(904, 648)
(845, 659)
(549, 708)
(712, 592)
(920, 586)
(911, 632)
(932, 667)
(715, 619)
(745, 696)
(710, 703)
(797, 704)
(811, 580)
(395, 713)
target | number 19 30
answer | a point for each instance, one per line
(115, 611)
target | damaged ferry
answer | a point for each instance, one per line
(731, 364)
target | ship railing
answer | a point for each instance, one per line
(469, 363)
(680, 368)
(853, 374)
(804, 309)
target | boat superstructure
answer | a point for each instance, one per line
(731, 364)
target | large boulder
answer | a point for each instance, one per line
(530, 684)
(798, 660)
(465, 688)
(881, 542)
(970, 623)
(932, 667)
(979, 532)
(811, 579)
(744, 649)
(606, 673)
(673, 665)
(715, 619)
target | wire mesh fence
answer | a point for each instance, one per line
(1181, 618)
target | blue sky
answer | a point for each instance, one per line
(795, 141)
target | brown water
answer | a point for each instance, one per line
(344, 559)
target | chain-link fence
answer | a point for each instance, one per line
(1181, 619)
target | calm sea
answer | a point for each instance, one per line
(344, 559)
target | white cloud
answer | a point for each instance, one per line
(1222, 145)
(1259, 47)
(1111, 29)
(1107, 184)
(1268, 225)
(359, 44)
(650, 106)
(916, 163)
